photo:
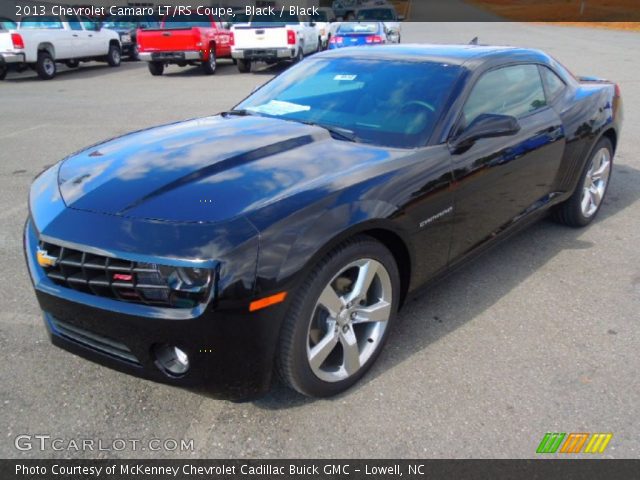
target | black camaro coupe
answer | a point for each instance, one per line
(283, 235)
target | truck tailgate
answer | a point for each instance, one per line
(260, 37)
(169, 39)
(5, 41)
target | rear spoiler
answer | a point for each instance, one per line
(590, 79)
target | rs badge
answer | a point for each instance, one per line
(44, 259)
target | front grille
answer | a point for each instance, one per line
(109, 277)
(93, 340)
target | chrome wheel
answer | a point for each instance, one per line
(595, 182)
(349, 320)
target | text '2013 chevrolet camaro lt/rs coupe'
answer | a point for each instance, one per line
(282, 236)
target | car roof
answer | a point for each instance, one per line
(452, 54)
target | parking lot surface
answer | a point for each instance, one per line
(540, 334)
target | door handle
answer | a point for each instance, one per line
(90, 36)
(75, 34)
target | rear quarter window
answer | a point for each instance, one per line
(513, 90)
(553, 84)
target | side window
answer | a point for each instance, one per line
(552, 83)
(74, 23)
(515, 90)
(89, 24)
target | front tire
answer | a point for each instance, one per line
(339, 319)
(209, 67)
(581, 208)
(114, 57)
(156, 68)
(3, 73)
(46, 66)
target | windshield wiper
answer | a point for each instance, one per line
(240, 113)
(339, 132)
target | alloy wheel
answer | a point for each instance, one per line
(349, 320)
(595, 182)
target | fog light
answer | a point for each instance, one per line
(171, 359)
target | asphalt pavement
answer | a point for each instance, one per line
(538, 335)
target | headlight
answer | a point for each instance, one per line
(188, 287)
(187, 279)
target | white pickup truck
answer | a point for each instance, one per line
(272, 39)
(41, 42)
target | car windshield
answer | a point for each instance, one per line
(276, 20)
(358, 28)
(391, 103)
(50, 23)
(382, 14)
(187, 21)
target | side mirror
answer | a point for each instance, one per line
(487, 125)
(97, 26)
(312, 23)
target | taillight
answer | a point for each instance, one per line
(291, 37)
(374, 39)
(617, 90)
(17, 40)
(335, 40)
(232, 39)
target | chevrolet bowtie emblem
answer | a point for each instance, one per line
(44, 259)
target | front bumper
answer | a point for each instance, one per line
(170, 57)
(261, 54)
(230, 350)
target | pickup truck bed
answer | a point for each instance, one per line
(273, 41)
(66, 39)
(183, 43)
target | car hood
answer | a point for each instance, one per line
(209, 169)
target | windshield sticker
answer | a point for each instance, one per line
(277, 107)
(346, 78)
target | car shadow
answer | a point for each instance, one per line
(468, 291)
(223, 68)
(85, 70)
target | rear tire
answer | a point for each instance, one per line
(339, 319)
(114, 57)
(3, 72)
(46, 66)
(156, 68)
(585, 202)
(244, 66)
(299, 57)
(209, 67)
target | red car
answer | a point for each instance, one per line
(185, 40)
